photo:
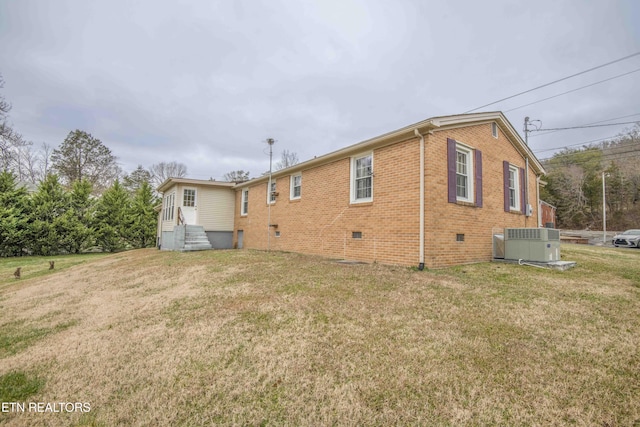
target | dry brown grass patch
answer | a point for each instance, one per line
(244, 337)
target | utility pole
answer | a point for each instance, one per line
(604, 211)
(526, 171)
(270, 141)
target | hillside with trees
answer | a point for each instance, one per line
(574, 183)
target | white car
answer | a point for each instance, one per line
(630, 239)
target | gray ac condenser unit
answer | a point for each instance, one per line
(532, 244)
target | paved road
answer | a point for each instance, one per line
(595, 237)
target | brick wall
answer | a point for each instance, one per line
(323, 220)
(445, 220)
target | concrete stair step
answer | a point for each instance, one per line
(195, 239)
(197, 247)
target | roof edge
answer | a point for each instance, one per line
(203, 182)
(431, 124)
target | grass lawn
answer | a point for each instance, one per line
(150, 338)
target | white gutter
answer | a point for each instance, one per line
(421, 245)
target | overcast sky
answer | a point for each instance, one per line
(206, 82)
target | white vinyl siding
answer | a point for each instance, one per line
(216, 208)
(362, 178)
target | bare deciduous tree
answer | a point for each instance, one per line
(160, 172)
(17, 155)
(237, 176)
(44, 160)
(287, 159)
(81, 156)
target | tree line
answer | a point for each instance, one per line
(73, 198)
(55, 219)
(574, 183)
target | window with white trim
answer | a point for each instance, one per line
(189, 197)
(514, 185)
(245, 202)
(464, 174)
(271, 196)
(494, 129)
(362, 178)
(167, 214)
(296, 186)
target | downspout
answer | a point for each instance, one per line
(526, 172)
(159, 227)
(421, 245)
(526, 190)
(538, 199)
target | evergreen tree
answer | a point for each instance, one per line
(13, 221)
(47, 221)
(143, 219)
(78, 218)
(135, 179)
(111, 219)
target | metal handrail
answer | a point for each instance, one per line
(181, 217)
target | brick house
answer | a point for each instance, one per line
(430, 194)
(547, 215)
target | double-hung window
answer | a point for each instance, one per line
(514, 189)
(362, 178)
(245, 202)
(271, 197)
(514, 186)
(464, 174)
(167, 214)
(296, 187)
(464, 169)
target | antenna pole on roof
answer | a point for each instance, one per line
(270, 141)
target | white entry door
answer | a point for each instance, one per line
(189, 205)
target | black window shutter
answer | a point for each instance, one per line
(505, 172)
(478, 170)
(451, 170)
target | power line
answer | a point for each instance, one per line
(592, 123)
(585, 127)
(556, 81)
(573, 90)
